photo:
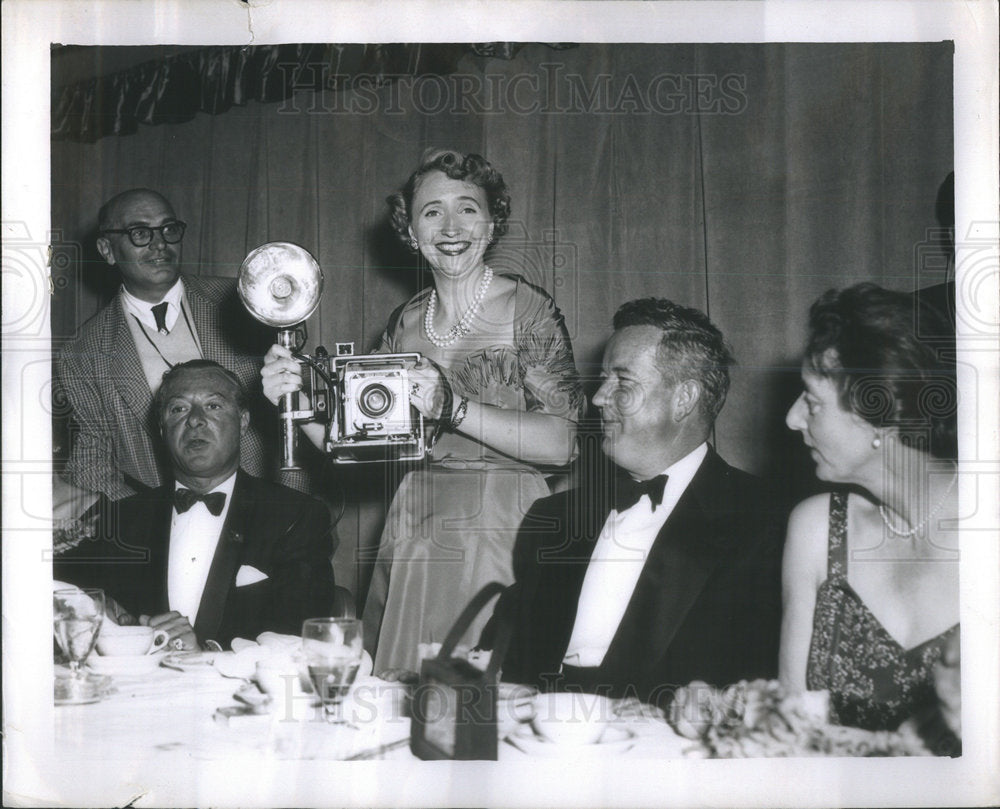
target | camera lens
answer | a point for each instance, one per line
(375, 400)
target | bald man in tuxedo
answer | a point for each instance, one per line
(215, 553)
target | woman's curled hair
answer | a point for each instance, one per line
(870, 343)
(469, 168)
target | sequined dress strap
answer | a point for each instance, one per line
(836, 554)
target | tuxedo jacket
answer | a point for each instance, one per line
(116, 436)
(707, 605)
(282, 533)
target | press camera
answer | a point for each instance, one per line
(363, 400)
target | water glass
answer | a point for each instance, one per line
(332, 650)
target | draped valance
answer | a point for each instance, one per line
(212, 80)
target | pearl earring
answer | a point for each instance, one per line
(412, 243)
(876, 442)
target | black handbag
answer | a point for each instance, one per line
(454, 709)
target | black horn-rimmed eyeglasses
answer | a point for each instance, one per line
(142, 235)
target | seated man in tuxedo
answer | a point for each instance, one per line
(671, 573)
(218, 553)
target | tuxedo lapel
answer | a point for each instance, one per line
(680, 562)
(225, 563)
(557, 595)
(160, 544)
(144, 526)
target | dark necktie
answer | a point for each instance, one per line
(627, 491)
(160, 313)
(185, 498)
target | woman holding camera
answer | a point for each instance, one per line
(498, 372)
(871, 569)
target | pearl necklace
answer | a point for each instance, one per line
(463, 326)
(919, 526)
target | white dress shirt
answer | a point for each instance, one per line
(619, 556)
(194, 536)
(144, 310)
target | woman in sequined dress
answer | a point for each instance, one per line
(870, 574)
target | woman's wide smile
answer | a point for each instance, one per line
(453, 248)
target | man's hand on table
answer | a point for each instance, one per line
(182, 637)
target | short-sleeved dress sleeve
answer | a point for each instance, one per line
(545, 356)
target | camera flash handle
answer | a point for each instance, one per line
(291, 338)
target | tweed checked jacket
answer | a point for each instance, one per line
(115, 434)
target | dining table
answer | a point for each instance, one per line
(169, 718)
(184, 736)
(196, 729)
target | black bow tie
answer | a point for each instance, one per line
(627, 491)
(185, 498)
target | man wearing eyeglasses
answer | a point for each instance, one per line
(160, 318)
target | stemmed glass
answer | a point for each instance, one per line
(332, 650)
(76, 620)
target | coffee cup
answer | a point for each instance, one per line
(119, 641)
(571, 718)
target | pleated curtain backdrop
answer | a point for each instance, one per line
(741, 179)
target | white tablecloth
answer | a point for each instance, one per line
(171, 715)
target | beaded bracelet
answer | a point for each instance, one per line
(460, 411)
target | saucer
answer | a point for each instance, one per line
(124, 665)
(615, 740)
